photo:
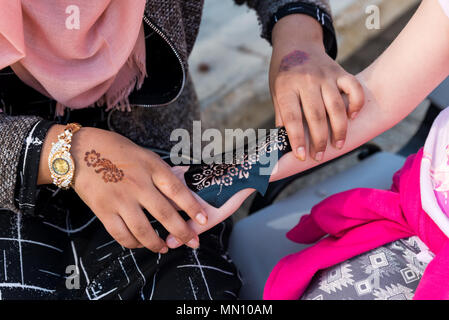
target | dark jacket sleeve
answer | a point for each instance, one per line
(13, 134)
(267, 8)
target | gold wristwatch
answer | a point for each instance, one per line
(60, 161)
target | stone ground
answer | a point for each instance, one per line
(390, 141)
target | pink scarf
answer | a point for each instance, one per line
(360, 220)
(80, 53)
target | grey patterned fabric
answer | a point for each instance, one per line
(266, 9)
(151, 127)
(390, 272)
(13, 131)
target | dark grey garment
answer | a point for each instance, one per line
(266, 9)
(13, 131)
(151, 127)
(390, 272)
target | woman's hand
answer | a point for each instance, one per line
(117, 179)
(306, 83)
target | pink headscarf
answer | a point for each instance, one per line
(94, 62)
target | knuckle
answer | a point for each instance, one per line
(141, 230)
(321, 145)
(138, 183)
(131, 244)
(194, 207)
(280, 81)
(155, 246)
(150, 160)
(289, 117)
(164, 214)
(337, 105)
(285, 81)
(126, 241)
(340, 134)
(175, 188)
(317, 115)
(119, 199)
(284, 100)
(335, 68)
(312, 76)
(184, 235)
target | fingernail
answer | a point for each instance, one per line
(201, 218)
(354, 115)
(319, 156)
(164, 250)
(301, 153)
(172, 242)
(194, 243)
(339, 144)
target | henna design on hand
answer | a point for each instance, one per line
(216, 183)
(293, 59)
(110, 171)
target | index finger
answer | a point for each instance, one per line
(290, 111)
(175, 190)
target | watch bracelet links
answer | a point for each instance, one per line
(60, 161)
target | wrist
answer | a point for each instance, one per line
(297, 30)
(81, 142)
(44, 176)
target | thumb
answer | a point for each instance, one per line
(355, 94)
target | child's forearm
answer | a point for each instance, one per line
(371, 121)
(416, 62)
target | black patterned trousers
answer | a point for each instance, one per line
(64, 252)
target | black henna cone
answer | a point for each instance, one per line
(216, 183)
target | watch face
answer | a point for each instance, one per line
(61, 166)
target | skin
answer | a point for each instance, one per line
(307, 86)
(144, 181)
(149, 183)
(391, 92)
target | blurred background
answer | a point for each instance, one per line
(230, 63)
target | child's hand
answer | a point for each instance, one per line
(306, 83)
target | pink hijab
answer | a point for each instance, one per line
(80, 53)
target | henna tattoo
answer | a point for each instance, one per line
(293, 59)
(217, 183)
(110, 171)
(209, 175)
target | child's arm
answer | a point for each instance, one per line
(416, 62)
